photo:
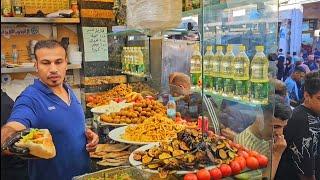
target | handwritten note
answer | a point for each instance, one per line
(95, 41)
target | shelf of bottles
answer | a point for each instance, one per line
(132, 60)
(232, 77)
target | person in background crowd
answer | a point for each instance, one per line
(303, 65)
(318, 62)
(311, 63)
(288, 57)
(288, 66)
(188, 103)
(316, 53)
(281, 90)
(301, 158)
(268, 126)
(12, 167)
(280, 64)
(304, 54)
(292, 84)
(272, 57)
(295, 57)
(50, 104)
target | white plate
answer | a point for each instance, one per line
(139, 165)
(117, 133)
(27, 64)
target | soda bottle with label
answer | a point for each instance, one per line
(207, 68)
(139, 62)
(131, 60)
(241, 75)
(171, 107)
(195, 66)
(259, 77)
(123, 59)
(226, 72)
(215, 72)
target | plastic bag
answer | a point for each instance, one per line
(15, 87)
(154, 15)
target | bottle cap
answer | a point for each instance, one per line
(229, 48)
(219, 48)
(260, 48)
(171, 98)
(209, 48)
(242, 48)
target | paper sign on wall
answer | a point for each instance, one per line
(95, 40)
(16, 31)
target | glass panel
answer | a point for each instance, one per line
(129, 53)
(238, 96)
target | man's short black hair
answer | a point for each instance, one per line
(288, 52)
(280, 50)
(50, 44)
(299, 69)
(312, 83)
(280, 110)
(294, 53)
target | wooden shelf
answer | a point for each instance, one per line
(42, 20)
(31, 69)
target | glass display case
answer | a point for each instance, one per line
(219, 88)
(237, 79)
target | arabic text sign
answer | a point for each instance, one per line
(95, 41)
(14, 31)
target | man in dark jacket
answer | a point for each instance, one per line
(12, 167)
(280, 64)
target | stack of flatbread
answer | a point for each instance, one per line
(111, 154)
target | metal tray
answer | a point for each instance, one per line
(109, 174)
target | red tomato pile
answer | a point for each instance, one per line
(244, 159)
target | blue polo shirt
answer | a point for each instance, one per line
(39, 107)
(292, 89)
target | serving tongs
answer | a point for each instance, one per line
(22, 152)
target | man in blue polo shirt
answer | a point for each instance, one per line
(293, 84)
(51, 104)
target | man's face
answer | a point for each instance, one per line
(310, 57)
(313, 101)
(51, 65)
(278, 126)
(179, 90)
(299, 76)
(272, 126)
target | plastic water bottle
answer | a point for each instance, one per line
(3, 59)
(15, 54)
(171, 108)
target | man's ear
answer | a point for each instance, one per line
(67, 62)
(306, 96)
(36, 65)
